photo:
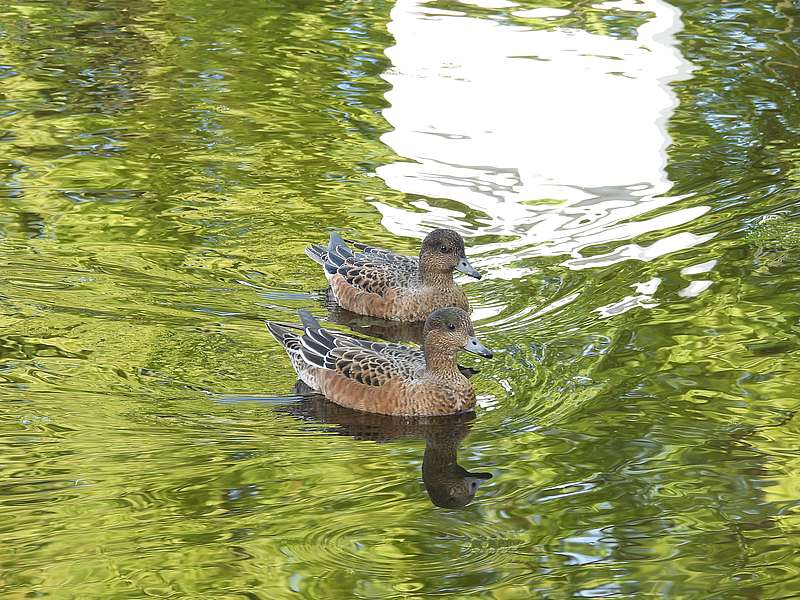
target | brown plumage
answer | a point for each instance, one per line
(391, 331)
(386, 378)
(380, 283)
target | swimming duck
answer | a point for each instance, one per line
(383, 378)
(380, 283)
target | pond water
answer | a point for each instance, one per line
(626, 175)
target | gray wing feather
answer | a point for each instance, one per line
(371, 269)
(372, 363)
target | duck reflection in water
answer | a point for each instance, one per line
(449, 485)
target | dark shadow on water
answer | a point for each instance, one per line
(448, 484)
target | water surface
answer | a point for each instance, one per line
(625, 174)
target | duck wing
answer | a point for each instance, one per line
(374, 251)
(379, 274)
(400, 352)
(373, 270)
(370, 363)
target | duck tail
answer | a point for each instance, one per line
(282, 333)
(290, 337)
(338, 246)
(338, 252)
(317, 253)
(332, 257)
(309, 321)
(316, 341)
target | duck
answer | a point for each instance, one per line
(379, 283)
(386, 378)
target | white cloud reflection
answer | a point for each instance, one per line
(500, 117)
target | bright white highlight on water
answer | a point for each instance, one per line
(557, 136)
(703, 267)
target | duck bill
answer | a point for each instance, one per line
(474, 346)
(463, 266)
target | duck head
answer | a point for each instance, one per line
(443, 252)
(449, 330)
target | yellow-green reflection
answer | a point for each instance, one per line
(164, 165)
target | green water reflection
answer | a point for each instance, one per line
(164, 164)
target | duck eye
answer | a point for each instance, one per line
(444, 248)
(451, 326)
